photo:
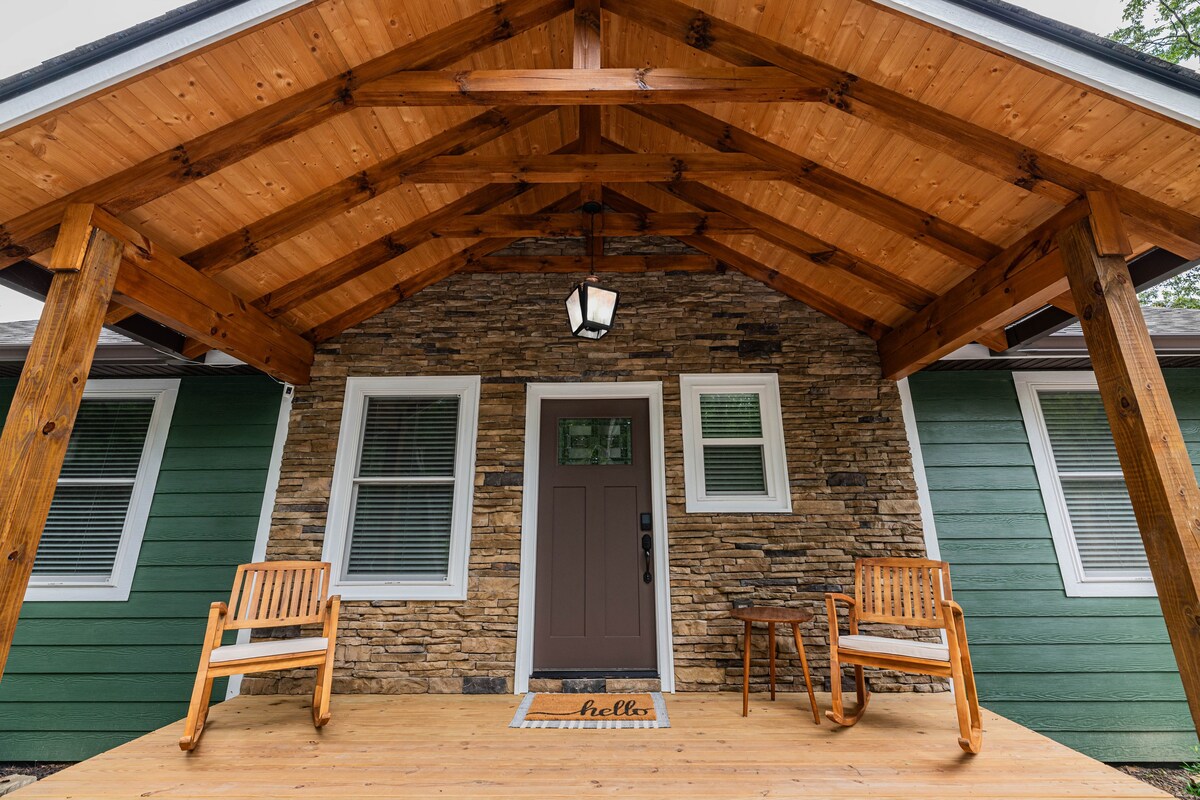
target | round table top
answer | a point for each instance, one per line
(771, 614)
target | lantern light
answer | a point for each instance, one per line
(591, 308)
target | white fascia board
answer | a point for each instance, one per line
(1083, 67)
(148, 55)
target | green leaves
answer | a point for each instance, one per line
(1168, 29)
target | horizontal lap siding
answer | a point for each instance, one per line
(85, 677)
(1093, 673)
(1096, 674)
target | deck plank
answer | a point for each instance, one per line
(460, 746)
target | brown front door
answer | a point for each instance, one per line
(594, 608)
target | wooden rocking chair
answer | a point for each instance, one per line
(269, 594)
(913, 592)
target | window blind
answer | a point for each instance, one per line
(404, 489)
(1093, 487)
(91, 502)
(732, 443)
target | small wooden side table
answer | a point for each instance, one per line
(772, 616)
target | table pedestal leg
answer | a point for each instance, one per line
(812, 698)
(771, 647)
(746, 673)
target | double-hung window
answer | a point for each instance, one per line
(734, 458)
(1096, 537)
(89, 547)
(400, 508)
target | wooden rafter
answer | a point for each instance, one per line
(291, 221)
(587, 49)
(159, 285)
(787, 284)
(1019, 281)
(587, 85)
(684, 223)
(587, 168)
(423, 278)
(825, 183)
(378, 252)
(978, 147)
(32, 232)
(567, 264)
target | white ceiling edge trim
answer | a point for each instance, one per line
(144, 57)
(1059, 58)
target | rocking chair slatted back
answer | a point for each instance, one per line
(901, 591)
(271, 594)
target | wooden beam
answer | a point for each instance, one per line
(827, 184)
(422, 278)
(1154, 458)
(781, 282)
(246, 242)
(160, 286)
(32, 232)
(684, 223)
(584, 168)
(981, 148)
(587, 54)
(588, 86)
(1019, 281)
(818, 253)
(996, 341)
(34, 440)
(1108, 229)
(569, 264)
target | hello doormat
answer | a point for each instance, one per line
(542, 710)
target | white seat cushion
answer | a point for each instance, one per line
(275, 647)
(895, 647)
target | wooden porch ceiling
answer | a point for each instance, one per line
(322, 166)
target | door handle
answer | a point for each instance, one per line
(647, 547)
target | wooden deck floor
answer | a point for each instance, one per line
(460, 746)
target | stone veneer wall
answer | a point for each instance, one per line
(848, 460)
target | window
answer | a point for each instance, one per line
(734, 457)
(89, 547)
(1091, 519)
(400, 509)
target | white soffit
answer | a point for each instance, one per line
(145, 56)
(1084, 67)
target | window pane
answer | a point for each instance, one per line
(1079, 432)
(401, 531)
(409, 437)
(734, 470)
(1106, 533)
(83, 531)
(730, 416)
(108, 438)
(607, 440)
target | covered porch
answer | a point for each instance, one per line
(458, 746)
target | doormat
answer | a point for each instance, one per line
(543, 710)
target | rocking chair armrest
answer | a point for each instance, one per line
(831, 601)
(332, 609)
(217, 613)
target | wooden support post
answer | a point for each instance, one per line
(33, 443)
(1158, 473)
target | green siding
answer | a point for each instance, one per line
(87, 676)
(1096, 674)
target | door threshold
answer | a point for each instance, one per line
(616, 674)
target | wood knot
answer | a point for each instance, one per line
(49, 427)
(14, 555)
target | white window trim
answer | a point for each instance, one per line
(466, 388)
(1075, 583)
(778, 499)
(117, 587)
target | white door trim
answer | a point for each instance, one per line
(536, 393)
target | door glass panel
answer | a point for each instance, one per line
(595, 440)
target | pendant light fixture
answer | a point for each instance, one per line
(591, 309)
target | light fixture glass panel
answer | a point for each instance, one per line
(575, 310)
(601, 305)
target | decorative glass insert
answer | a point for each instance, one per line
(595, 441)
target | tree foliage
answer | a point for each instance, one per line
(1169, 29)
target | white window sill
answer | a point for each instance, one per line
(398, 591)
